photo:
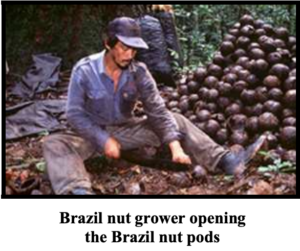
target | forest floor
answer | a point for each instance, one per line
(26, 174)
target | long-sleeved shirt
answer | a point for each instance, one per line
(93, 103)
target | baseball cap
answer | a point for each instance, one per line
(128, 31)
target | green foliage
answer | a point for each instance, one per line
(277, 166)
(63, 30)
(68, 31)
(41, 166)
(202, 27)
(74, 31)
(44, 133)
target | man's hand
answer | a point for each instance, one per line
(112, 148)
(178, 155)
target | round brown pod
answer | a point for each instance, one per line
(246, 20)
(183, 105)
(211, 127)
(233, 109)
(234, 32)
(247, 30)
(203, 115)
(200, 74)
(215, 70)
(239, 86)
(243, 42)
(274, 58)
(280, 70)
(183, 90)
(213, 94)
(227, 47)
(248, 97)
(279, 43)
(289, 121)
(257, 53)
(271, 139)
(269, 29)
(290, 99)
(193, 86)
(282, 33)
(218, 59)
(288, 137)
(225, 89)
(261, 94)
(223, 102)
(211, 81)
(290, 156)
(172, 104)
(243, 61)
(239, 138)
(230, 78)
(252, 80)
(258, 23)
(273, 107)
(268, 122)
(193, 98)
(212, 107)
(272, 81)
(253, 45)
(239, 53)
(222, 136)
(257, 109)
(291, 41)
(287, 112)
(230, 38)
(275, 94)
(203, 93)
(252, 125)
(267, 44)
(260, 32)
(237, 122)
(260, 67)
(289, 83)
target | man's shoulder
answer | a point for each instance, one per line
(86, 62)
(139, 66)
(142, 74)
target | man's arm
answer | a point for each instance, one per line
(161, 120)
(178, 154)
(78, 117)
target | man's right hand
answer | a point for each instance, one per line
(112, 148)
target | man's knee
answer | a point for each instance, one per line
(49, 141)
(181, 121)
(54, 144)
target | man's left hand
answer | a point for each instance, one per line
(182, 158)
(178, 155)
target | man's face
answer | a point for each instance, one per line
(122, 55)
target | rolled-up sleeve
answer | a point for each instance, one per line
(160, 118)
(77, 116)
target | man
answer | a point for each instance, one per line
(103, 90)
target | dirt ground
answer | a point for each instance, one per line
(26, 174)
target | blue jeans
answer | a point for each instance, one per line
(65, 152)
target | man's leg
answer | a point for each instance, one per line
(134, 134)
(199, 146)
(64, 155)
(204, 151)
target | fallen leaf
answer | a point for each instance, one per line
(136, 169)
(261, 187)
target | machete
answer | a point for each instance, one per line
(152, 162)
